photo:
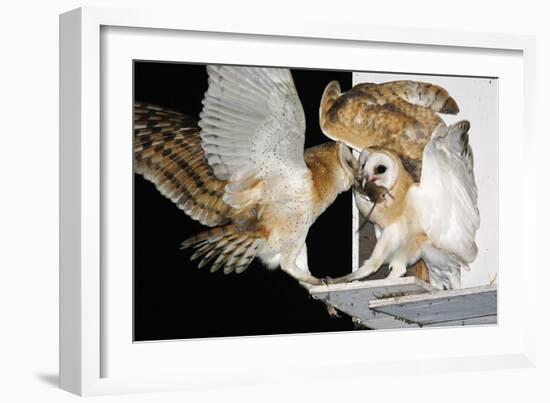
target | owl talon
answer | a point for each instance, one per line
(332, 311)
(328, 280)
(397, 271)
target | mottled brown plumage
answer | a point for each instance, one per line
(168, 152)
(327, 172)
(398, 116)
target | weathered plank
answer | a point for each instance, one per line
(353, 298)
(484, 320)
(476, 305)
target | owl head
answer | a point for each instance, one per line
(380, 167)
(333, 166)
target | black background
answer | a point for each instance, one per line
(175, 300)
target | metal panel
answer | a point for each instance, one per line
(476, 305)
(353, 298)
(484, 320)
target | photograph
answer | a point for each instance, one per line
(233, 201)
(277, 200)
(282, 202)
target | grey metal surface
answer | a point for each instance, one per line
(409, 302)
(353, 298)
(483, 320)
(446, 308)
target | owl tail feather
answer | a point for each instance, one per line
(227, 246)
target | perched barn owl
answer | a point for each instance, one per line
(398, 116)
(243, 170)
(435, 220)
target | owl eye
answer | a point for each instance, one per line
(380, 169)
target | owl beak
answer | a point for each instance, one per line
(368, 178)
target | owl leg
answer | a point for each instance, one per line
(294, 271)
(379, 256)
(295, 265)
(398, 269)
(301, 260)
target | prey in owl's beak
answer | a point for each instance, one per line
(365, 185)
(368, 178)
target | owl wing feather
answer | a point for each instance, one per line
(252, 123)
(167, 152)
(398, 116)
(419, 93)
(252, 134)
(250, 143)
(446, 197)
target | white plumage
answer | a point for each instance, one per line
(247, 176)
(435, 220)
(446, 199)
(252, 122)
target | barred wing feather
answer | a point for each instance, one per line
(447, 195)
(252, 122)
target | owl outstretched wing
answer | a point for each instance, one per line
(252, 122)
(247, 152)
(446, 198)
(168, 152)
(398, 116)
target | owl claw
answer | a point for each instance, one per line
(339, 280)
(397, 271)
(327, 280)
(332, 311)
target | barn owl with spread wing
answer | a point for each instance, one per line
(418, 186)
(242, 169)
(435, 220)
(399, 116)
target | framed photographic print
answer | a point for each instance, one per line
(234, 202)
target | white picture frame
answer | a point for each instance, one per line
(89, 340)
